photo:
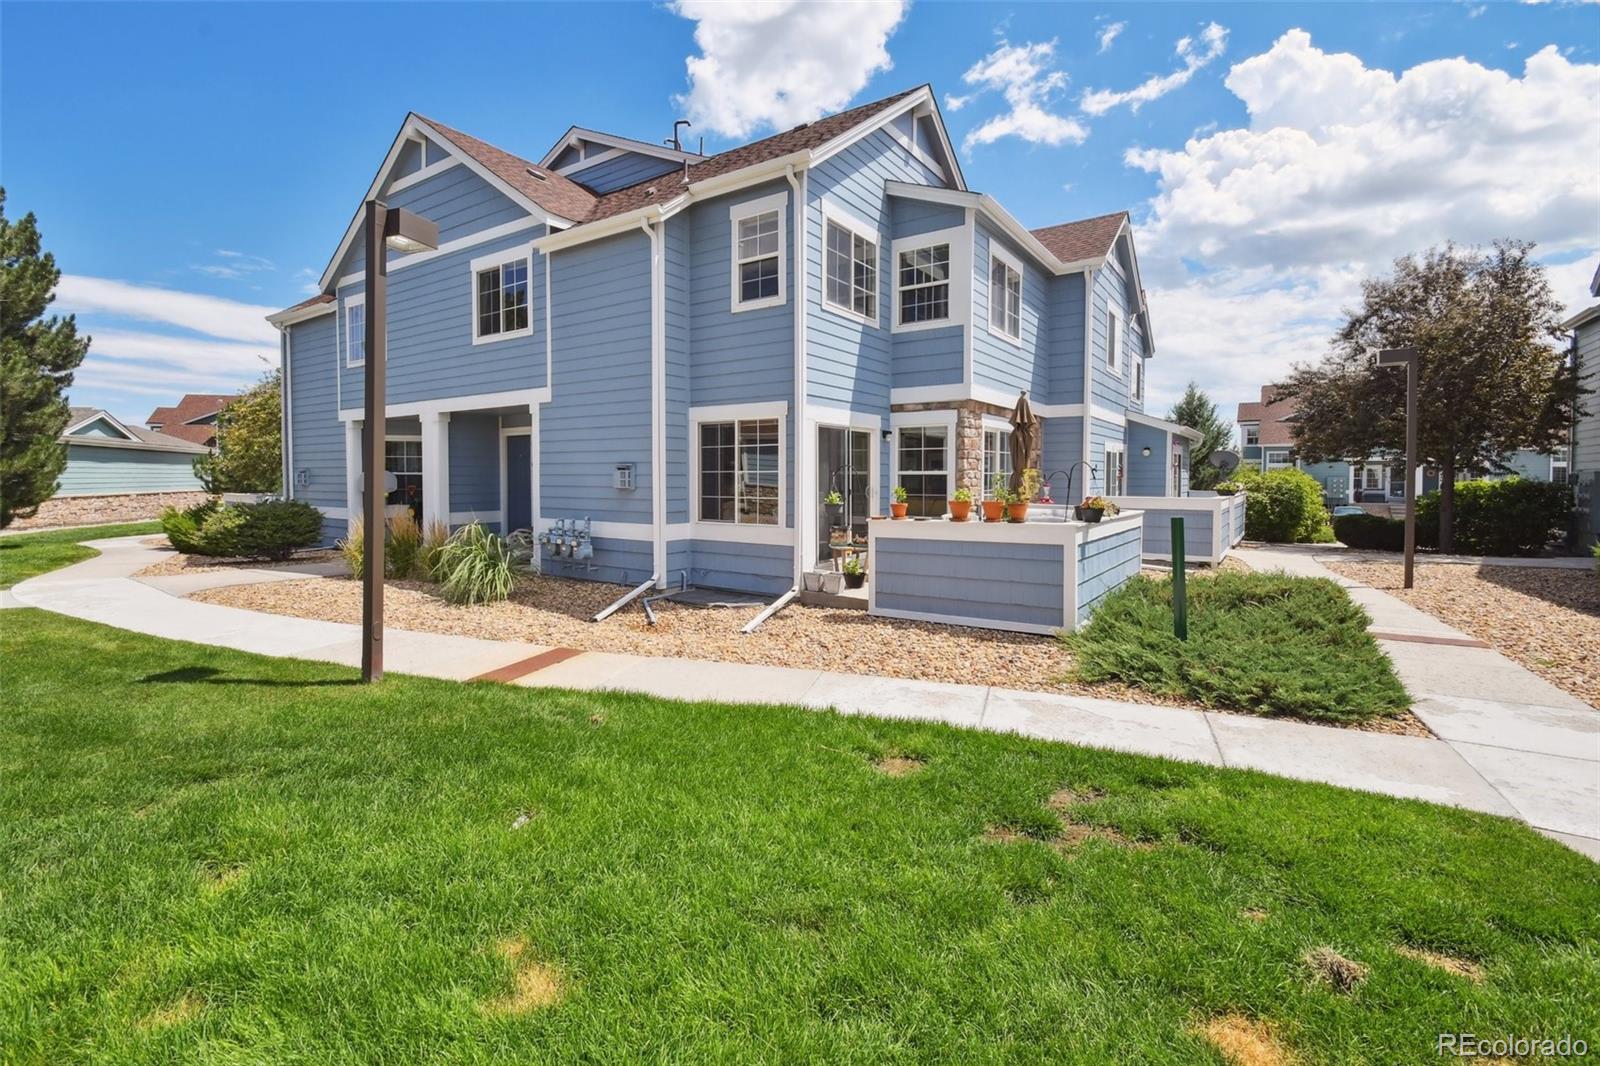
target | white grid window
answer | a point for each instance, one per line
(1558, 470)
(996, 460)
(924, 284)
(757, 258)
(923, 470)
(740, 471)
(1116, 472)
(502, 299)
(1278, 459)
(1005, 298)
(355, 334)
(1252, 435)
(851, 272)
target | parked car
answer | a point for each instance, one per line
(1347, 508)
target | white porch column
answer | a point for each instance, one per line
(435, 468)
(352, 471)
(533, 472)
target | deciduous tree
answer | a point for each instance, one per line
(249, 455)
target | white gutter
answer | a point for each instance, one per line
(994, 212)
(286, 434)
(658, 399)
(802, 452)
(1088, 365)
(288, 318)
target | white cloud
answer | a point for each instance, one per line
(777, 63)
(235, 266)
(1024, 75)
(1258, 236)
(1195, 55)
(211, 315)
(1110, 33)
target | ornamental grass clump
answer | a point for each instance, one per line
(402, 552)
(474, 567)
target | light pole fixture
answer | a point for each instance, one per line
(1407, 357)
(386, 227)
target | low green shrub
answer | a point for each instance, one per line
(1284, 507)
(1370, 532)
(272, 529)
(1513, 516)
(219, 534)
(475, 566)
(183, 527)
(1266, 643)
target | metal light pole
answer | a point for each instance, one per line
(386, 227)
(1407, 357)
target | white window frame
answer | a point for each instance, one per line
(716, 528)
(1012, 265)
(1114, 341)
(349, 302)
(737, 213)
(1136, 389)
(1245, 430)
(960, 242)
(899, 420)
(1121, 452)
(837, 216)
(993, 424)
(1267, 462)
(1560, 460)
(500, 259)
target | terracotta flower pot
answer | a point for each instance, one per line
(897, 510)
(993, 510)
(1017, 512)
(960, 510)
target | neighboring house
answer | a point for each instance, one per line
(193, 419)
(1584, 471)
(108, 458)
(692, 351)
(1266, 436)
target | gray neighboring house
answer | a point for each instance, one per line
(106, 457)
(1585, 462)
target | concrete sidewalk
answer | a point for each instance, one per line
(1478, 770)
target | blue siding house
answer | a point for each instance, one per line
(105, 457)
(689, 352)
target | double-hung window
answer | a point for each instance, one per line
(355, 331)
(924, 469)
(850, 273)
(996, 460)
(923, 284)
(741, 471)
(1252, 434)
(1138, 379)
(1005, 296)
(1558, 469)
(1116, 472)
(501, 286)
(1113, 342)
(758, 237)
(1278, 459)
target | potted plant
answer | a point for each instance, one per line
(1094, 508)
(855, 572)
(1017, 504)
(833, 507)
(897, 509)
(994, 510)
(960, 505)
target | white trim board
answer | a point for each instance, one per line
(449, 404)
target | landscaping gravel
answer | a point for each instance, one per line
(99, 510)
(1546, 619)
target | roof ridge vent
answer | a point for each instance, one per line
(538, 174)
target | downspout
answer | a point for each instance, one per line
(797, 186)
(658, 398)
(286, 436)
(1088, 370)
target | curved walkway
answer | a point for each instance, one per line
(1510, 744)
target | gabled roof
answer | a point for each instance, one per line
(576, 134)
(1087, 238)
(556, 194)
(193, 406)
(135, 437)
(1272, 417)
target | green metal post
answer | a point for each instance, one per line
(1180, 586)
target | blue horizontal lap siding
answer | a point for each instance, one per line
(996, 361)
(1104, 565)
(677, 360)
(912, 217)
(624, 561)
(99, 428)
(94, 470)
(929, 357)
(621, 171)
(1110, 389)
(1019, 583)
(1147, 475)
(475, 465)
(1196, 532)
(458, 201)
(1064, 339)
(599, 413)
(1102, 433)
(1061, 445)
(316, 434)
(762, 568)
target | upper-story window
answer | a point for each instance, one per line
(1113, 342)
(850, 272)
(1138, 379)
(501, 286)
(758, 238)
(1252, 434)
(355, 331)
(1005, 295)
(923, 286)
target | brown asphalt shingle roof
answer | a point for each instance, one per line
(1087, 238)
(193, 405)
(556, 194)
(161, 441)
(1270, 413)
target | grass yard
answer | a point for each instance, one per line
(1275, 644)
(219, 857)
(31, 554)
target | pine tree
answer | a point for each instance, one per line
(37, 358)
(1197, 411)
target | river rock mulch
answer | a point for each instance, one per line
(1547, 619)
(103, 510)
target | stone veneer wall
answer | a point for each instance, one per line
(969, 436)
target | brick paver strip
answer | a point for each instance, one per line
(1422, 638)
(532, 664)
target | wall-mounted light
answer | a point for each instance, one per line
(1145, 451)
(888, 434)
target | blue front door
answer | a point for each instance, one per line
(519, 485)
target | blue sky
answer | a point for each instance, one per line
(193, 165)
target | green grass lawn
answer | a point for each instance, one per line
(1265, 643)
(30, 554)
(212, 856)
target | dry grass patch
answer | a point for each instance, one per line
(1063, 800)
(1253, 914)
(898, 765)
(218, 877)
(1328, 965)
(536, 984)
(1448, 963)
(1246, 1041)
(185, 1008)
